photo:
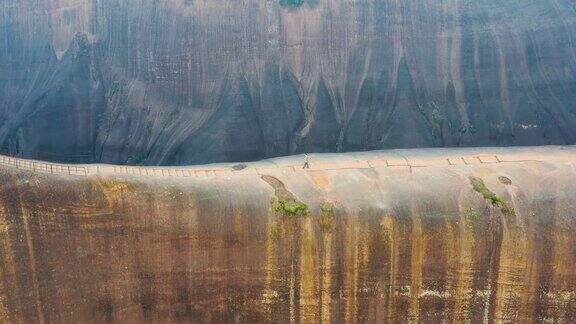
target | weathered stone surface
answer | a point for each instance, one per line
(182, 81)
(425, 235)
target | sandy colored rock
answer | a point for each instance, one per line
(425, 240)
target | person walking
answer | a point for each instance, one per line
(306, 161)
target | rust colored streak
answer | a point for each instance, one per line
(429, 246)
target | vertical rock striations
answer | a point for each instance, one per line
(341, 242)
(182, 82)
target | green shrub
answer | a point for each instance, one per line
(291, 3)
(292, 208)
(480, 187)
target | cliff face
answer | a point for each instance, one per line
(184, 81)
(429, 236)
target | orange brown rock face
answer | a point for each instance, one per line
(419, 235)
